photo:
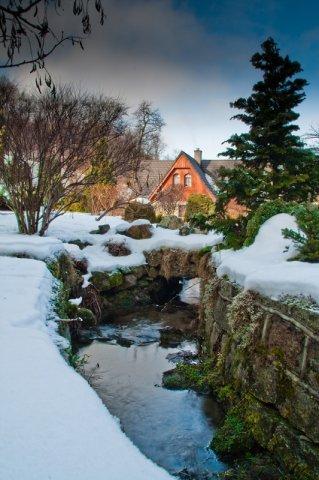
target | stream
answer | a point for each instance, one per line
(171, 427)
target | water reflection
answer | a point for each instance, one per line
(173, 428)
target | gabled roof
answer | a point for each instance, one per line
(154, 172)
(200, 172)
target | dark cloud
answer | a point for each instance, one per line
(190, 58)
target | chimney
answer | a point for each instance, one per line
(198, 155)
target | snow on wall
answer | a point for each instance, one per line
(53, 425)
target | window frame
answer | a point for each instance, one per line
(178, 177)
(188, 178)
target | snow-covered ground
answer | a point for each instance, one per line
(76, 226)
(264, 266)
(53, 425)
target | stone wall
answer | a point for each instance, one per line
(155, 282)
(269, 352)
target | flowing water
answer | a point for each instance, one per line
(172, 427)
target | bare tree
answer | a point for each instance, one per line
(147, 130)
(128, 157)
(48, 144)
(30, 32)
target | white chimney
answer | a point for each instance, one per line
(198, 155)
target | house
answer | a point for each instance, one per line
(185, 175)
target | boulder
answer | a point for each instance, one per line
(104, 228)
(118, 249)
(87, 316)
(104, 281)
(139, 232)
(101, 229)
(171, 221)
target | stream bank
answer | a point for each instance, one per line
(261, 360)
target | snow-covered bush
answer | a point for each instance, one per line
(263, 213)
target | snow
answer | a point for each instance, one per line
(190, 291)
(53, 425)
(211, 182)
(143, 200)
(76, 226)
(76, 301)
(264, 266)
(31, 246)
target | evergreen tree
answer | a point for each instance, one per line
(274, 162)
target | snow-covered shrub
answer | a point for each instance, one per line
(137, 210)
(307, 238)
(199, 203)
(263, 213)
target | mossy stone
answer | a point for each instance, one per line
(104, 281)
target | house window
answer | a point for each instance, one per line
(188, 180)
(176, 179)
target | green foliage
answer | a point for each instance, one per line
(200, 377)
(307, 239)
(300, 301)
(263, 213)
(198, 203)
(233, 229)
(205, 250)
(201, 221)
(76, 361)
(137, 210)
(234, 436)
(274, 163)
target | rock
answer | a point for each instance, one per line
(81, 244)
(183, 356)
(130, 280)
(101, 229)
(104, 228)
(139, 232)
(118, 249)
(104, 281)
(171, 221)
(186, 230)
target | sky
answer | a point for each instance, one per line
(191, 59)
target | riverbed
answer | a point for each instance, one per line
(126, 364)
